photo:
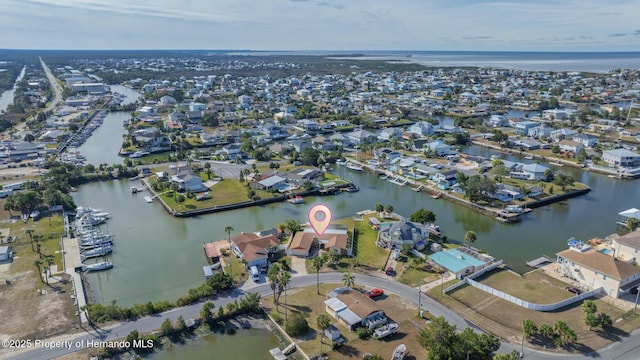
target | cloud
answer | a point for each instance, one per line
(480, 37)
(636, 33)
(618, 35)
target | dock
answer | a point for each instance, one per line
(72, 262)
(539, 262)
(278, 354)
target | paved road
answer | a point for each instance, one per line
(626, 349)
(57, 97)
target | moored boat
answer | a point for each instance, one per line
(99, 266)
(354, 167)
(97, 252)
(296, 200)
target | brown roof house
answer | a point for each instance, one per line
(352, 309)
(627, 247)
(594, 269)
(306, 243)
(254, 249)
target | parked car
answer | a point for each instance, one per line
(573, 290)
(390, 271)
(373, 293)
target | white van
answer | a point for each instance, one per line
(255, 274)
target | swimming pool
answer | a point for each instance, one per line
(605, 251)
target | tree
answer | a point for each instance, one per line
(348, 279)
(273, 276)
(591, 320)
(379, 207)
(423, 216)
(546, 330)
(334, 255)
(207, 167)
(323, 321)
(478, 188)
(317, 264)
(388, 209)
(470, 237)
(296, 325)
(529, 327)
(588, 307)
(604, 320)
(632, 223)
(166, 327)
(555, 149)
(438, 338)
(307, 185)
(514, 355)
(180, 324)
(283, 281)
(563, 181)
(205, 312)
(228, 230)
(548, 175)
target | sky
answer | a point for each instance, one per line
(464, 25)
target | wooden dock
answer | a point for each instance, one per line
(72, 259)
(536, 263)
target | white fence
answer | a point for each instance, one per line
(473, 276)
(528, 305)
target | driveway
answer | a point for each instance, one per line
(298, 267)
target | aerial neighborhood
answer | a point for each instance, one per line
(448, 193)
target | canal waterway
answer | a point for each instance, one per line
(157, 256)
(6, 98)
(104, 144)
(244, 344)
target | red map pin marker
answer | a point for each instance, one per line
(320, 218)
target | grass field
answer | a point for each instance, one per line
(535, 287)
(366, 250)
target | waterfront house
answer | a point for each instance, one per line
(627, 247)
(593, 269)
(570, 146)
(587, 140)
(306, 243)
(621, 157)
(561, 134)
(188, 181)
(523, 127)
(268, 183)
(253, 249)
(533, 172)
(440, 148)
(462, 261)
(388, 154)
(444, 180)
(300, 175)
(390, 133)
(352, 309)
(507, 193)
(360, 136)
(527, 144)
(540, 131)
(401, 232)
(421, 128)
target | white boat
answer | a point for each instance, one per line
(529, 157)
(385, 330)
(400, 352)
(340, 162)
(99, 266)
(201, 196)
(354, 167)
(296, 200)
(139, 154)
(148, 199)
(91, 246)
(97, 252)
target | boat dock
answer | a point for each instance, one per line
(72, 262)
(539, 262)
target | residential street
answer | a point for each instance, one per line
(626, 349)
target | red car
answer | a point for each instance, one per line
(389, 271)
(374, 293)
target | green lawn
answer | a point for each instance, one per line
(535, 287)
(225, 192)
(366, 250)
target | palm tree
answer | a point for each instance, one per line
(379, 208)
(283, 280)
(228, 230)
(348, 279)
(30, 233)
(323, 321)
(38, 264)
(632, 223)
(45, 270)
(470, 237)
(49, 259)
(388, 209)
(317, 264)
(272, 275)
